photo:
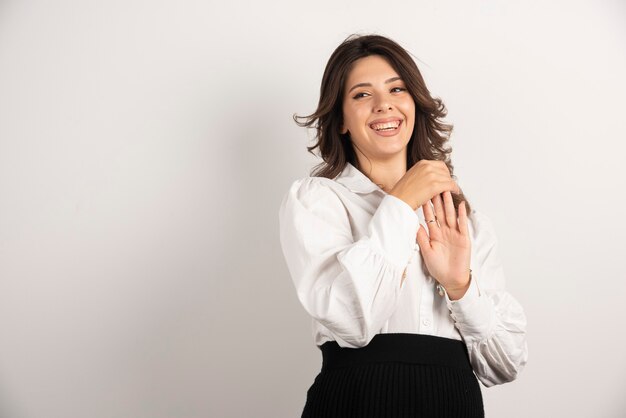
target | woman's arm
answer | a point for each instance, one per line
(350, 287)
(491, 322)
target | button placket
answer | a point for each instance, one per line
(426, 308)
(415, 249)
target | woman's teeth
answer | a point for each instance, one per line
(386, 126)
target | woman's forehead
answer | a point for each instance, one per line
(371, 69)
(371, 65)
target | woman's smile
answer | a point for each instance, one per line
(386, 127)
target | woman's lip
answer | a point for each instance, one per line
(388, 133)
(385, 120)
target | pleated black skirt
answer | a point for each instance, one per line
(395, 376)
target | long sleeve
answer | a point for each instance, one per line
(491, 322)
(350, 287)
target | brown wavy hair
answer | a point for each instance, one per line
(430, 134)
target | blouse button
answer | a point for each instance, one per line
(439, 289)
(426, 322)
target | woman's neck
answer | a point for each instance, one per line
(384, 173)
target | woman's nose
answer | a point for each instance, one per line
(382, 106)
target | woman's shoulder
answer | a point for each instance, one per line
(310, 189)
(314, 201)
(319, 196)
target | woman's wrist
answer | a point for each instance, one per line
(457, 292)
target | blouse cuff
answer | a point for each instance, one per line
(474, 313)
(394, 229)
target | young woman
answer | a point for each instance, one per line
(407, 299)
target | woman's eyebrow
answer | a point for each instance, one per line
(370, 84)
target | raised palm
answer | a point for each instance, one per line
(446, 248)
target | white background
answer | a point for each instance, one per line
(145, 147)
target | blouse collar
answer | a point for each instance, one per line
(356, 181)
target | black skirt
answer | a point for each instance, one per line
(395, 375)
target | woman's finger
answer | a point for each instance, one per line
(433, 229)
(449, 210)
(439, 212)
(463, 227)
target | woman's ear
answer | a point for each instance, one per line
(343, 130)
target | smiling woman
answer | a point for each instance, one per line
(347, 81)
(401, 278)
(373, 83)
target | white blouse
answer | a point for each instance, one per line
(347, 244)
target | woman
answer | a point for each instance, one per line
(407, 299)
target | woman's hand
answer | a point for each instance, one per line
(446, 248)
(425, 179)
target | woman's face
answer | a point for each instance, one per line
(378, 111)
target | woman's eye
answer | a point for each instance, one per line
(393, 90)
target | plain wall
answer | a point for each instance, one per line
(145, 147)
